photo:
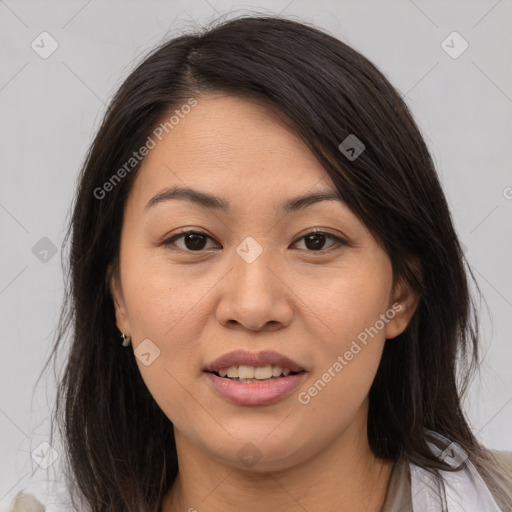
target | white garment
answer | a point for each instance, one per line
(450, 491)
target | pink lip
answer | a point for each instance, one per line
(238, 357)
(255, 393)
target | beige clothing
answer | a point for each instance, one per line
(399, 499)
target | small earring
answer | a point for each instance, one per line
(126, 340)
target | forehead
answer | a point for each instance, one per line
(232, 147)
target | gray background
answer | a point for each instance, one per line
(50, 109)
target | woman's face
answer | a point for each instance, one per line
(253, 281)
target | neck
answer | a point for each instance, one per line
(343, 477)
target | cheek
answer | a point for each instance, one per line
(350, 338)
(334, 399)
(345, 302)
(162, 298)
(344, 372)
(166, 315)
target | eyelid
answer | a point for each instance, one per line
(336, 238)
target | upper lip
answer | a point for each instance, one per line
(239, 357)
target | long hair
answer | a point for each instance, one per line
(120, 447)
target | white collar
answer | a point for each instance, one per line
(450, 491)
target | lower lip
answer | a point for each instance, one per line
(255, 393)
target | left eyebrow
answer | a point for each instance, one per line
(218, 203)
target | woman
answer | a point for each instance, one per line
(268, 300)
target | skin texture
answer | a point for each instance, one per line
(294, 299)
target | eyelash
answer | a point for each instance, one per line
(169, 241)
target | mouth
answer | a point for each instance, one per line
(234, 386)
(245, 378)
(250, 374)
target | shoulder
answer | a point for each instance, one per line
(24, 502)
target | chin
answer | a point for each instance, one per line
(257, 454)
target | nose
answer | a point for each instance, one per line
(254, 295)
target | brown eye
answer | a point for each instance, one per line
(193, 241)
(316, 240)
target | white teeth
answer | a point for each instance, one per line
(245, 372)
(276, 371)
(263, 372)
(232, 372)
(254, 372)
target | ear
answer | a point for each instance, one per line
(114, 284)
(404, 303)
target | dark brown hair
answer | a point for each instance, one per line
(119, 444)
